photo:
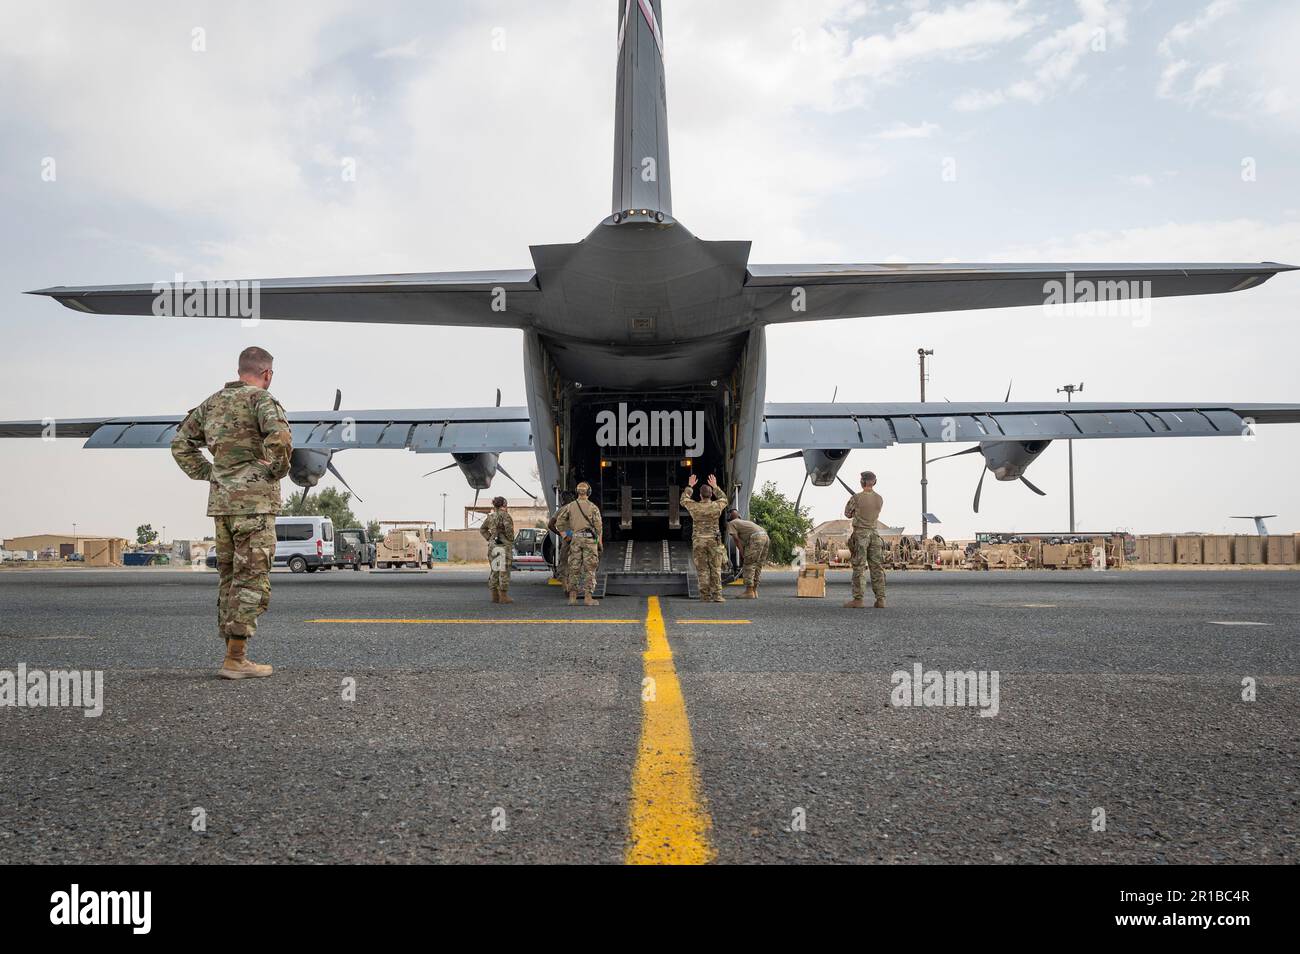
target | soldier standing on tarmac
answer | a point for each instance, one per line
(866, 549)
(499, 532)
(245, 430)
(579, 523)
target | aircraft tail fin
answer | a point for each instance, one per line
(641, 179)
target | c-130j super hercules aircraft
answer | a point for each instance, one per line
(642, 313)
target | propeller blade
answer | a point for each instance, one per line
(1008, 397)
(835, 393)
(979, 488)
(476, 493)
(1025, 481)
(788, 456)
(338, 400)
(335, 471)
(441, 469)
(303, 502)
(969, 450)
(800, 497)
(502, 470)
(844, 485)
(498, 397)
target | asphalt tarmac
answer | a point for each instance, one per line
(522, 733)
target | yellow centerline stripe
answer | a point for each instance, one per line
(486, 622)
(668, 822)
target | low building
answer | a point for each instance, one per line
(60, 544)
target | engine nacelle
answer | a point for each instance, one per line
(307, 466)
(824, 465)
(479, 469)
(1008, 460)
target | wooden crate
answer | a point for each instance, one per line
(812, 580)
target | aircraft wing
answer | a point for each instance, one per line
(829, 426)
(855, 291)
(461, 430)
(501, 299)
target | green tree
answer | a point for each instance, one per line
(145, 533)
(325, 503)
(373, 530)
(775, 512)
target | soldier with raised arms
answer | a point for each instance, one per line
(706, 544)
(245, 430)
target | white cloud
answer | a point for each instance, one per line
(1057, 59)
(901, 130)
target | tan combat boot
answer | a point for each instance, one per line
(503, 597)
(855, 603)
(719, 599)
(751, 593)
(573, 598)
(238, 665)
(880, 603)
(589, 600)
(495, 598)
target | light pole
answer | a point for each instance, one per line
(921, 354)
(1069, 390)
(444, 511)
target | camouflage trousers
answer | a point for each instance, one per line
(583, 558)
(562, 571)
(245, 553)
(708, 568)
(755, 554)
(866, 550)
(499, 567)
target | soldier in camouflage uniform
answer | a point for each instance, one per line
(753, 542)
(579, 523)
(245, 430)
(866, 549)
(499, 532)
(706, 545)
(562, 557)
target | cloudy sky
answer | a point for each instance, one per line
(210, 139)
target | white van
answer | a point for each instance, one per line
(304, 543)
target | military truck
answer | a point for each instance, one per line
(404, 546)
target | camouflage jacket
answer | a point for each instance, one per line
(704, 516)
(579, 515)
(499, 527)
(246, 431)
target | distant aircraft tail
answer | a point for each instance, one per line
(1259, 519)
(641, 179)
